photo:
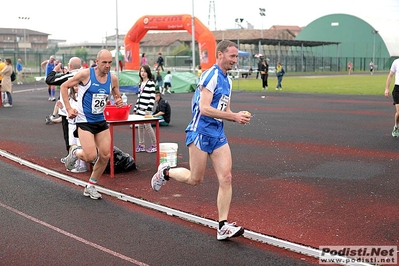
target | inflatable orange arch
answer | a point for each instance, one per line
(205, 38)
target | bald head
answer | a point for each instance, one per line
(104, 61)
(75, 63)
(103, 53)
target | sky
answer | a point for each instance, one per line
(79, 21)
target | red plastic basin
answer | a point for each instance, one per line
(115, 113)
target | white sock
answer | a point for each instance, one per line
(82, 163)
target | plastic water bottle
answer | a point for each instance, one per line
(112, 101)
(124, 99)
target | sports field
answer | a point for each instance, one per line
(364, 84)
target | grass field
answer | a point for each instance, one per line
(334, 84)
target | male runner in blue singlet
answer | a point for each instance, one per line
(205, 136)
(95, 85)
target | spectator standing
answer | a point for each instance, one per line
(19, 69)
(162, 110)
(48, 66)
(350, 67)
(205, 136)
(144, 60)
(3, 95)
(120, 58)
(145, 106)
(159, 80)
(2, 65)
(264, 73)
(279, 73)
(95, 86)
(167, 83)
(395, 93)
(160, 62)
(199, 72)
(85, 64)
(259, 67)
(371, 67)
(6, 84)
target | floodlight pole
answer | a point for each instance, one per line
(375, 32)
(117, 40)
(262, 13)
(25, 18)
(193, 37)
(238, 21)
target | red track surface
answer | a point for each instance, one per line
(311, 169)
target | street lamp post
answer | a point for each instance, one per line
(117, 40)
(375, 32)
(193, 37)
(262, 13)
(24, 18)
(238, 21)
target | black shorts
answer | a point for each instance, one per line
(167, 85)
(395, 94)
(93, 128)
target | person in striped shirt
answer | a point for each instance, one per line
(144, 106)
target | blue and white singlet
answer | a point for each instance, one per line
(220, 85)
(92, 99)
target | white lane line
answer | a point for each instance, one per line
(294, 247)
(28, 90)
(84, 241)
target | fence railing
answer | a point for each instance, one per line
(291, 63)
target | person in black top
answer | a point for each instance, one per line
(163, 110)
(259, 67)
(159, 62)
(264, 73)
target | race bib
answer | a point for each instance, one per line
(98, 103)
(223, 102)
(222, 105)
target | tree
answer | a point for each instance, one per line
(183, 49)
(81, 53)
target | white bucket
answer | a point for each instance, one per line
(168, 153)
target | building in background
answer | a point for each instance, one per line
(361, 40)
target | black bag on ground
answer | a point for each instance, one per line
(123, 162)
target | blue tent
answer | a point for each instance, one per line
(243, 54)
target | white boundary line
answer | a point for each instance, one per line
(301, 249)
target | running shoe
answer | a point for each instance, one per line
(48, 120)
(63, 159)
(140, 148)
(152, 149)
(79, 169)
(395, 132)
(71, 157)
(229, 230)
(91, 192)
(158, 179)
